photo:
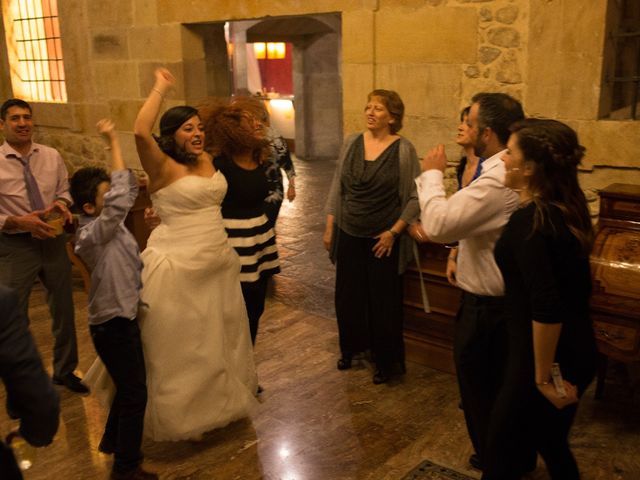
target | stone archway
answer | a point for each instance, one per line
(316, 73)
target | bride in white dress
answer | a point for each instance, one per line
(193, 321)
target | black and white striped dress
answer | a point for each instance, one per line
(248, 228)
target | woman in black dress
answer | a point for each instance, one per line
(236, 135)
(543, 255)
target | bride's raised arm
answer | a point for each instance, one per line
(152, 158)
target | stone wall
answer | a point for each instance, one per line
(435, 53)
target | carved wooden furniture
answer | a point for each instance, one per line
(429, 336)
(615, 265)
(135, 220)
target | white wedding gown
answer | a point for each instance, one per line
(194, 326)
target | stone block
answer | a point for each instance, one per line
(84, 117)
(161, 43)
(110, 45)
(602, 177)
(352, 122)
(124, 113)
(47, 114)
(472, 71)
(195, 78)
(221, 10)
(129, 152)
(419, 36)
(115, 13)
(507, 14)
(76, 51)
(425, 134)
(583, 28)
(427, 90)
(486, 15)
(145, 12)
(357, 36)
(608, 142)
(508, 69)
(145, 74)
(357, 82)
(488, 54)
(580, 79)
(546, 28)
(507, 37)
(192, 44)
(116, 79)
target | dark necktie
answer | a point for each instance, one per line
(35, 198)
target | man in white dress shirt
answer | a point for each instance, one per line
(474, 216)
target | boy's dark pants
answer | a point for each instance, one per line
(118, 344)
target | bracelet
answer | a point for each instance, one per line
(154, 89)
(542, 383)
(395, 234)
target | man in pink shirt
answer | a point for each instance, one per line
(34, 187)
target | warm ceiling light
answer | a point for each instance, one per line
(276, 50)
(260, 49)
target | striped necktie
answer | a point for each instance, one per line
(35, 198)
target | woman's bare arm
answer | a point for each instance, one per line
(152, 158)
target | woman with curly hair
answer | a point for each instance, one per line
(194, 329)
(236, 135)
(543, 255)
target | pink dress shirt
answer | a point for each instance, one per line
(49, 171)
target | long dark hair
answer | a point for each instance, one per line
(170, 122)
(556, 152)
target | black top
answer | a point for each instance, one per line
(246, 189)
(371, 190)
(547, 279)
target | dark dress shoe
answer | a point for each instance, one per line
(106, 446)
(137, 474)
(380, 377)
(474, 461)
(71, 382)
(345, 362)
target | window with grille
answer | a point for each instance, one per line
(35, 50)
(621, 86)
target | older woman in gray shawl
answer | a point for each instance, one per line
(372, 200)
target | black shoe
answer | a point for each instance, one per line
(345, 362)
(403, 368)
(137, 474)
(106, 446)
(380, 377)
(474, 461)
(72, 382)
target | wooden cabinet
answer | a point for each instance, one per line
(429, 336)
(135, 220)
(615, 269)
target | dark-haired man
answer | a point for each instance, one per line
(474, 216)
(34, 185)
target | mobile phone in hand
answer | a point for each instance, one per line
(556, 376)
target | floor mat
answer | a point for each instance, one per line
(428, 470)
